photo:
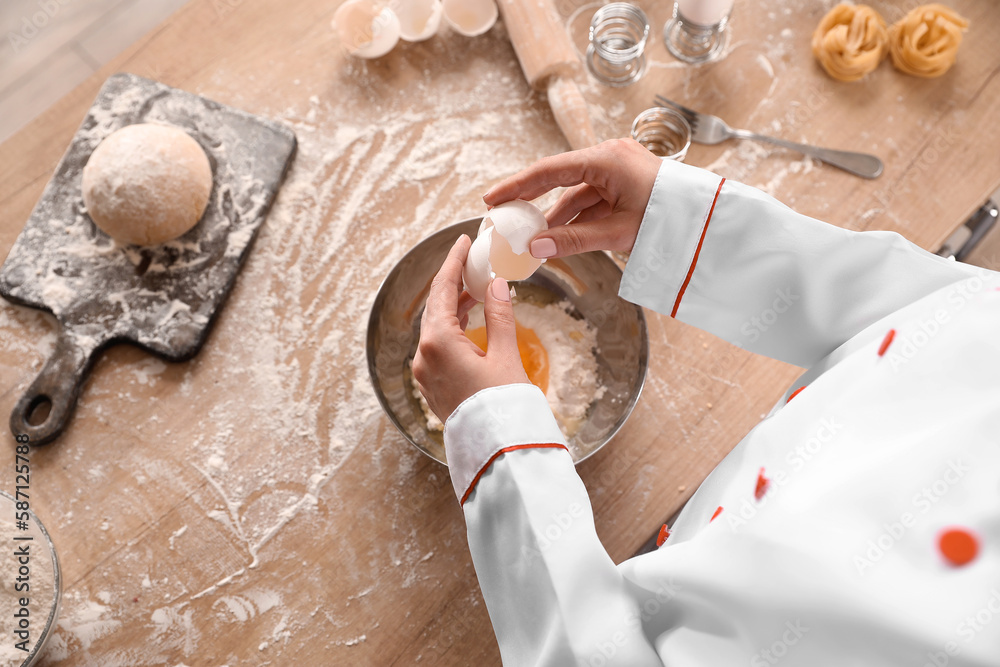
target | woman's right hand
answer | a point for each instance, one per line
(609, 187)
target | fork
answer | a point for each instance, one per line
(709, 129)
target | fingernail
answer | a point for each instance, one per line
(543, 248)
(500, 290)
(487, 194)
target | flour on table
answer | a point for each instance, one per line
(284, 366)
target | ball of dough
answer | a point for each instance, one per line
(850, 41)
(925, 41)
(146, 184)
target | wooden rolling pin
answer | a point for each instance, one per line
(550, 63)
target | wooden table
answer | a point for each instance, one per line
(254, 506)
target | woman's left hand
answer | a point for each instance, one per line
(448, 367)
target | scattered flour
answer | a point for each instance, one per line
(88, 623)
(382, 162)
(284, 367)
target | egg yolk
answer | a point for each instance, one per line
(533, 354)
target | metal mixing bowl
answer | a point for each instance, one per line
(589, 281)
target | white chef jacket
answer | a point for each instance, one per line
(836, 559)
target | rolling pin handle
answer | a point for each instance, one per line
(57, 388)
(571, 114)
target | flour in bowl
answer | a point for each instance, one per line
(26, 588)
(570, 345)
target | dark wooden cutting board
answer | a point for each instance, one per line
(162, 298)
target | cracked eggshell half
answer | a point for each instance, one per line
(366, 29)
(418, 19)
(501, 247)
(470, 17)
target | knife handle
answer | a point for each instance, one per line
(859, 164)
(57, 386)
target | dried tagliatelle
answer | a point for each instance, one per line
(925, 41)
(850, 41)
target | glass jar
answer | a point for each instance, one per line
(618, 34)
(664, 132)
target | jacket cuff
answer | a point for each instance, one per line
(670, 236)
(494, 421)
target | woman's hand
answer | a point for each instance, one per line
(448, 367)
(609, 187)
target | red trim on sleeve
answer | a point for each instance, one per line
(475, 480)
(794, 394)
(763, 483)
(886, 342)
(697, 251)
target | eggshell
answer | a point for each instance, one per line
(519, 222)
(418, 19)
(366, 30)
(470, 17)
(509, 264)
(501, 246)
(477, 274)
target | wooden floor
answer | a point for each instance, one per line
(50, 46)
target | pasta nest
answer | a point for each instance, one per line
(850, 41)
(926, 40)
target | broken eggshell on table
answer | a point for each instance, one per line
(371, 28)
(501, 246)
(418, 19)
(470, 17)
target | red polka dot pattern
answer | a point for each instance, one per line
(958, 545)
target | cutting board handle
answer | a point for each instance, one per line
(56, 387)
